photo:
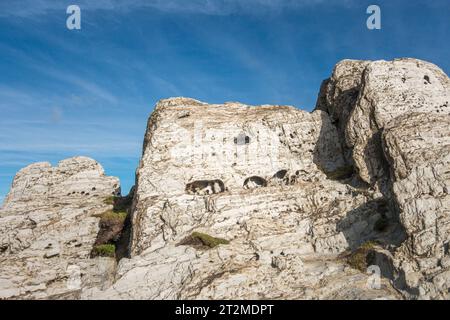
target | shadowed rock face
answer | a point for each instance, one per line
(301, 202)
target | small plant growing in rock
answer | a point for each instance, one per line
(111, 225)
(113, 217)
(114, 227)
(360, 258)
(202, 240)
(110, 200)
(104, 250)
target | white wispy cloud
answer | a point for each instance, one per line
(42, 64)
(27, 8)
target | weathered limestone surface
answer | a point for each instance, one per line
(48, 225)
(399, 137)
(418, 148)
(339, 93)
(190, 141)
(273, 184)
(285, 235)
(365, 96)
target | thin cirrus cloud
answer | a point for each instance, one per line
(27, 8)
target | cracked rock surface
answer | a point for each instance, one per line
(399, 139)
(283, 203)
(48, 225)
(285, 235)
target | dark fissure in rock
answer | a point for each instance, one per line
(115, 229)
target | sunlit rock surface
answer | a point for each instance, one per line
(233, 201)
(48, 225)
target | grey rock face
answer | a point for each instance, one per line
(48, 225)
(398, 135)
(389, 90)
(248, 202)
(418, 148)
(189, 142)
(339, 93)
(365, 96)
(285, 220)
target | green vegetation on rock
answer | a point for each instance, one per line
(110, 228)
(208, 240)
(198, 239)
(110, 200)
(104, 250)
(359, 258)
(112, 216)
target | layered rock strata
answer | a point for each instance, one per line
(233, 201)
(48, 225)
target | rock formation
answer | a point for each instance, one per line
(48, 225)
(399, 138)
(248, 202)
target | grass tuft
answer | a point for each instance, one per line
(198, 239)
(110, 200)
(113, 216)
(359, 259)
(104, 250)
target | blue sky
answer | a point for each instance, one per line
(90, 91)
